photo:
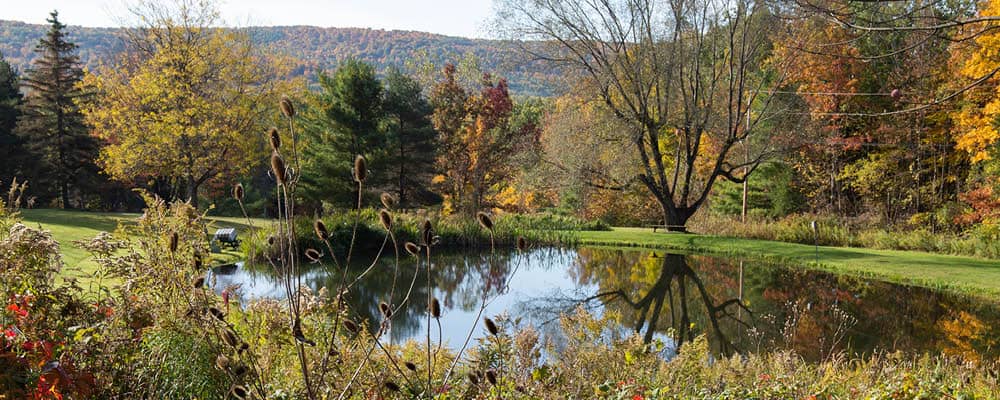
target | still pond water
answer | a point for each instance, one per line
(741, 306)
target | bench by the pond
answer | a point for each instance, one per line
(227, 237)
(665, 227)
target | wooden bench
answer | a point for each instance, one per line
(664, 227)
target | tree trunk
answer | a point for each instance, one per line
(192, 191)
(676, 218)
(64, 193)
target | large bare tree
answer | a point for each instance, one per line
(692, 81)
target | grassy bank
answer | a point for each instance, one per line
(957, 273)
(68, 226)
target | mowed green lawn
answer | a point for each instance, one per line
(969, 275)
(68, 226)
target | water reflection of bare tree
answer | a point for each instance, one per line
(673, 296)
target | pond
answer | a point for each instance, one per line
(742, 306)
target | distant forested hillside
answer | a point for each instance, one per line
(314, 49)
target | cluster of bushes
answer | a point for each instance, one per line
(980, 241)
(453, 231)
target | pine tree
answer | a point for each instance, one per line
(51, 123)
(12, 160)
(342, 120)
(412, 140)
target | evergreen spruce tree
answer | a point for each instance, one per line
(412, 140)
(51, 123)
(342, 120)
(12, 160)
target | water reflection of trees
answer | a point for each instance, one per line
(816, 314)
(458, 279)
(662, 294)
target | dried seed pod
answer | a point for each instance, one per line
(410, 366)
(350, 326)
(391, 386)
(286, 107)
(313, 255)
(491, 376)
(385, 309)
(217, 313)
(473, 378)
(435, 307)
(278, 168)
(360, 169)
(320, 229)
(240, 370)
(428, 232)
(199, 282)
(198, 261)
(222, 362)
(230, 338)
(388, 200)
(238, 192)
(275, 138)
(484, 220)
(522, 243)
(243, 347)
(412, 248)
(239, 392)
(385, 217)
(491, 326)
(174, 238)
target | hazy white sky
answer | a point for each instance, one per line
(449, 17)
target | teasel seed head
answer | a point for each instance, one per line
(428, 232)
(275, 139)
(435, 307)
(360, 169)
(391, 386)
(412, 248)
(229, 337)
(320, 229)
(522, 243)
(484, 220)
(240, 370)
(491, 376)
(239, 392)
(174, 238)
(199, 282)
(313, 255)
(238, 192)
(217, 313)
(491, 326)
(350, 326)
(286, 107)
(278, 168)
(473, 378)
(388, 200)
(385, 309)
(222, 362)
(410, 366)
(385, 217)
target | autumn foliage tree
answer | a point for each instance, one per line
(188, 102)
(480, 139)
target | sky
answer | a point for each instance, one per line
(448, 17)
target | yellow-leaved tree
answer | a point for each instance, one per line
(976, 121)
(186, 102)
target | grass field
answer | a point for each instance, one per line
(69, 226)
(962, 274)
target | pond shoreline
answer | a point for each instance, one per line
(959, 274)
